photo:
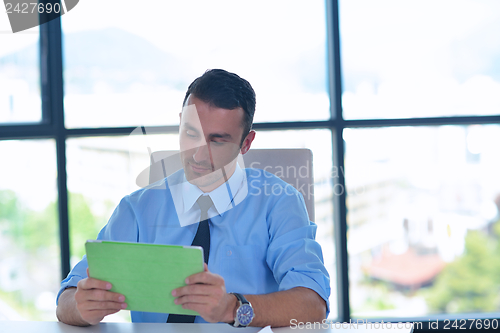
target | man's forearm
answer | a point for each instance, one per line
(66, 309)
(277, 309)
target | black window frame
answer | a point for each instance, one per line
(52, 127)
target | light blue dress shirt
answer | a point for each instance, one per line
(261, 239)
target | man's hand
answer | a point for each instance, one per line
(206, 294)
(89, 303)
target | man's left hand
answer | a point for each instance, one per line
(206, 294)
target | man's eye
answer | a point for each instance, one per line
(217, 143)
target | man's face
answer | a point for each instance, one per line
(210, 140)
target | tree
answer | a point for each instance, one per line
(32, 230)
(29, 229)
(83, 224)
(470, 283)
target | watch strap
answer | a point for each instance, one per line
(241, 298)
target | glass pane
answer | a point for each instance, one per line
(404, 59)
(30, 268)
(130, 69)
(320, 142)
(19, 75)
(423, 217)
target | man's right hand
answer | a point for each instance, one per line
(89, 303)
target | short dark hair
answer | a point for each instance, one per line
(225, 90)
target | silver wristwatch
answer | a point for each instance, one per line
(244, 313)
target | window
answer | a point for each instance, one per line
(124, 70)
(423, 219)
(29, 265)
(422, 198)
(405, 59)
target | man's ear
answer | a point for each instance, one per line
(180, 117)
(247, 142)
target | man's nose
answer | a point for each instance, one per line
(201, 154)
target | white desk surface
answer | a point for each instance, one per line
(55, 327)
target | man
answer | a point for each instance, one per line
(261, 248)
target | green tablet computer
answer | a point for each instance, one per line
(145, 273)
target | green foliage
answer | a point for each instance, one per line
(36, 233)
(470, 283)
(9, 207)
(377, 298)
(32, 230)
(40, 229)
(29, 229)
(83, 224)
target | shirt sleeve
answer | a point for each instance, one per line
(293, 255)
(122, 226)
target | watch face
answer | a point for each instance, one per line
(245, 314)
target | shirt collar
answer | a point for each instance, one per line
(222, 196)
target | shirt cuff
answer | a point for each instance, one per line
(72, 282)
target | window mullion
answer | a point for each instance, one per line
(53, 112)
(339, 195)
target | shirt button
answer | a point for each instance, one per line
(229, 253)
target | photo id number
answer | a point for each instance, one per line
(32, 7)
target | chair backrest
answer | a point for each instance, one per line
(294, 166)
